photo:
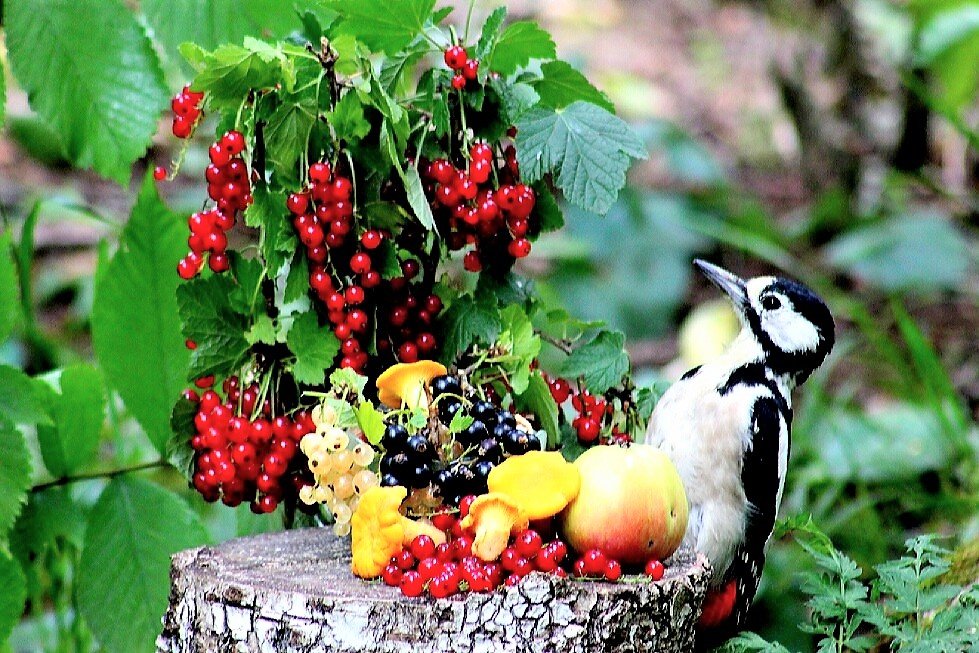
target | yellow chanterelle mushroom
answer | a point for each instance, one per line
(403, 384)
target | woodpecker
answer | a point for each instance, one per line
(726, 424)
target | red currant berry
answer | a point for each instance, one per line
(471, 262)
(587, 429)
(219, 262)
(404, 559)
(371, 239)
(392, 575)
(159, 173)
(360, 263)
(442, 171)
(218, 155)
(426, 342)
(408, 352)
(613, 570)
(423, 547)
(560, 390)
(595, 562)
(519, 248)
(354, 295)
(342, 189)
(471, 69)
(455, 57)
(458, 82)
(297, 203)
(410, 268)
(528, 543)
(319, 173)
(481, 152)
(183, 126)
(412, 584)
(233, 142)
(654, 569)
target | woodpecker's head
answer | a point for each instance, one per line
(790, 323)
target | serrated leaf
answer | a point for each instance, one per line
(384, 25)
(230, 71)
(548, 211)
(519, 43)
(178, 451)
(602, 362)
(537, 399)
(460, 422)
(465, 322)
(490, 34)
(15, 475)
(584, 146)
(287, 133)
(344, 377)
(14, 593)
(268, 211)
(314, 346)
(21, 401)
(208, 319)
(561, 85)
(206, 24)
(248, 275)
(371, 422)
(393, 77)
(517, 97)
(47, 516)
(135, 325)
(297, 281)
(417, 198)
(132, 531)
(385, 215)
(91, 73)
(78, 410)
(523, 345)
(9, 285)
(347, 119)
(262, 330)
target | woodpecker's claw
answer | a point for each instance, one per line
(730, 283)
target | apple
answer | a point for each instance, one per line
(631, 505)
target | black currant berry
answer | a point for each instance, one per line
(484, 412)
(397, 464)
(418, 447)
(394, 438)
(472, 434)
(389, 480)
(490, 450)
(448, 407)
(505, 417)
(442, 385)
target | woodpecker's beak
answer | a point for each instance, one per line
(731, 284)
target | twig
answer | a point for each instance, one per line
(112, 473)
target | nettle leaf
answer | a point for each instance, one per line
(15, 475)
(602, 362)
(347, 118)
(208, 320)
(287, 132)
(78, 410)
(21, 398)
(492, 29)
(561, 85)
(314, 346)
(9, 285)
(230, 71)
(133, 529)
(384, 25)
(14, 594)
(537, 399)
(467, 321)
(585, 146)
(90, 71)
(519, 43)
(135, 326)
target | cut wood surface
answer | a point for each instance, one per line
(294, 592)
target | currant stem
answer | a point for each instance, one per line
(112, 473)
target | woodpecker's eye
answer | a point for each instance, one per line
(771, 303)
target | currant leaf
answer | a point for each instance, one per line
(78, 409)
(14, 594)
(287, 133)
(210, 321)
(231, 71)
(561, 85)
(315, 348)
(90, 71)
(135, 325)
(520, 42)
(15, 474)
(347, 119)
(587, 149)
(21, 398)
(268, 212)
(9, 285)
(490, 35)
(133, 529)
(602, 362)
(537, 399)
(384, 25)
(467, 321)
(417, 198)
(207, 24)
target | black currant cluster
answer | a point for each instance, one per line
(461, 468)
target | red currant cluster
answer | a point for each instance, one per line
(343, 275)
(466, 69)
(448, 568)
(186, 111)
(592, 412)
(229, 187)
(495, 221)
(595, 564)
(240, 458)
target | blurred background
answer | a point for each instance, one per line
(833, 141)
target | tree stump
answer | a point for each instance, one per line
(294, 592)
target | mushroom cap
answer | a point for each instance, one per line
(541, 483)
(402, 382)
(377, 530)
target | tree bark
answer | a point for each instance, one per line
(294, 592)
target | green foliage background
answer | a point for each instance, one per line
(885, 442)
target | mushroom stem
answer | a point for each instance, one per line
(413, 528)
(492, 534)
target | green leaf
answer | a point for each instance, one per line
(231, 71)
(945, 30)
(519, 43)
(91, 72)
(547, 209)
(518, 338)
(209, 320)
(206, 24)
(21, 401)
(488, 38)
(562, 85)
(297, 281)
(537, 399)
(48, 515)
(467, 321)
(348, 119)
(178, 450)
(15, 475)
(78, 411)
(346, 378)
(314, 346)
(371, 422)
(460, 422)
(602, 362)
(135, 326)
(585, 146)
(123, 573)
(3, 102)
(268, 212)
(384, 25)
(9, 286)
(262, 330)
(287, 133)
(14, 594)
(417, 198)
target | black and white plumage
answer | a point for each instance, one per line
(726, 425)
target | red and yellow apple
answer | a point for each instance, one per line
(631, 504)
